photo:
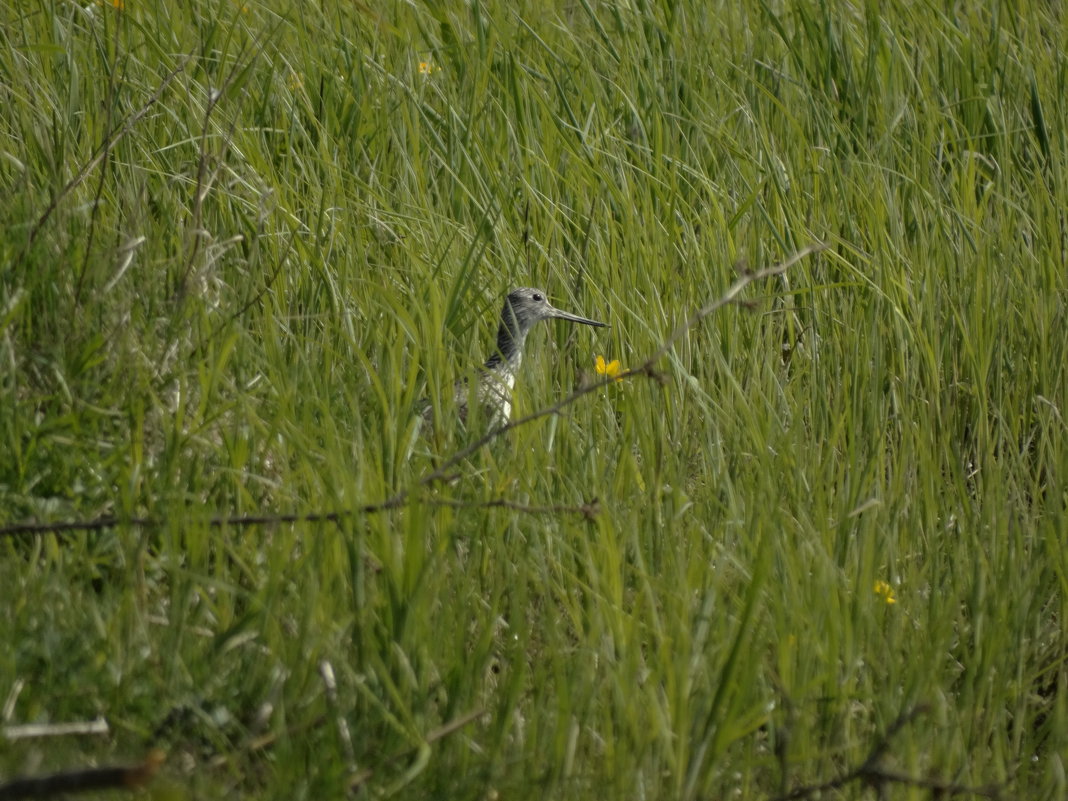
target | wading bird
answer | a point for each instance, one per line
(523, 308)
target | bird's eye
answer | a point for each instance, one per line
(537, 296)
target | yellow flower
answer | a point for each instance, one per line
(885, 591)
(119, 4)
(427, 67)
(610, 369)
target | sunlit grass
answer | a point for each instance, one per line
(242, 242)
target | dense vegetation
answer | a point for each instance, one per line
(823, 539)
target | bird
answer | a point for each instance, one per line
(523, 309)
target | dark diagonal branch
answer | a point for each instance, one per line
(84, 781)
(645, 368)
(872, 773)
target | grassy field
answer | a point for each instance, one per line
(822, 540)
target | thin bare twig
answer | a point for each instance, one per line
(25, 731)
(358, 778)
(587, 510)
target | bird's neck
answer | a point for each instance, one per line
(509, 348)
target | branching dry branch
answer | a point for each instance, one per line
(444, 470)
(589, 509)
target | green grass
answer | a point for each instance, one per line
(240, 241)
